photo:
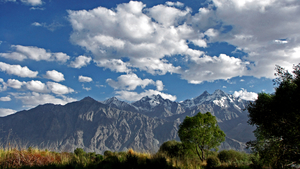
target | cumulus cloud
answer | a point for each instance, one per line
(159, 85)
(14, 83)
(54, 75)
(32, 99)
(208, 68)
(32, 2)
(114, 64)
(266, 30)
(129, 82)
(243, 94)
(38, 86)
(135, 32)
(59, 89)
(134, 96)
(80, 62)
(17, 70)
(84, 79)
(5, 99)
(178, 4)
(6, 112)
(31, 52)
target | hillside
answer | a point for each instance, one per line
(116, 125)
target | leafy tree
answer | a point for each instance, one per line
(277, 118)
(201, 133)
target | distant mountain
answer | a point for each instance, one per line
(229, 111)
(88, 124)
(117, 125)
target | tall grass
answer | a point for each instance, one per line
(36, 158)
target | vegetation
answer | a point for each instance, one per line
(277, 118)
(43, 159)
(200, 134)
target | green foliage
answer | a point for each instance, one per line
(212, 162)
(277, 117)
(79, 152)
(229, 156)
(172, 148)
(200, 134)
(108, 153)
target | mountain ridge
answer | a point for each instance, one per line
(117, 125)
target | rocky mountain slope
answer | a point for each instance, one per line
(116, 125)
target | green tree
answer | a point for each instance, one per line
(277, 118)
(201, 133)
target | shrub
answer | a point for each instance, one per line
(212, 162)
(108, 153)
(79, 152)
(229, 156)
(172, 148)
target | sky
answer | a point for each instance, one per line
(54, 51)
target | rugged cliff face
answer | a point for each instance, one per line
(88, 124)
(116, 125)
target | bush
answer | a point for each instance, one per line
(79, 152)
(172, 148)
(108, 153)
(212, 162)
(229, 156)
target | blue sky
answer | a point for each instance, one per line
(54, 51)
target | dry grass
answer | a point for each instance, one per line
(14, 158)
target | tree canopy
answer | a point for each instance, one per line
(201, 133)
(277, 117)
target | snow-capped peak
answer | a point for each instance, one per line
(111, 100)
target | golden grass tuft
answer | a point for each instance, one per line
(14, 158)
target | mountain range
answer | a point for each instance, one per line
(115, 125)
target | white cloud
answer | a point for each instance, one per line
(59, 89)
(36, 24)
(168, 16)
(17, 70)
(114, 64)
(32, 2)
(37, 8)
(84, 79)
(54, 75)
(144, 36)
(14, 83)
(134, 96)
(243, 94)
(6, 112)
(5, 99)
(208, 68)
(36, 86)
(31, 52)
(51, 27)
(80, 62)
(200, 43)
(159, 85)
(32, 99)
(86, 88)
(178, 4)
(129, 82)
(267, 30)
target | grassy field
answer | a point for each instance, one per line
(35, 158)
